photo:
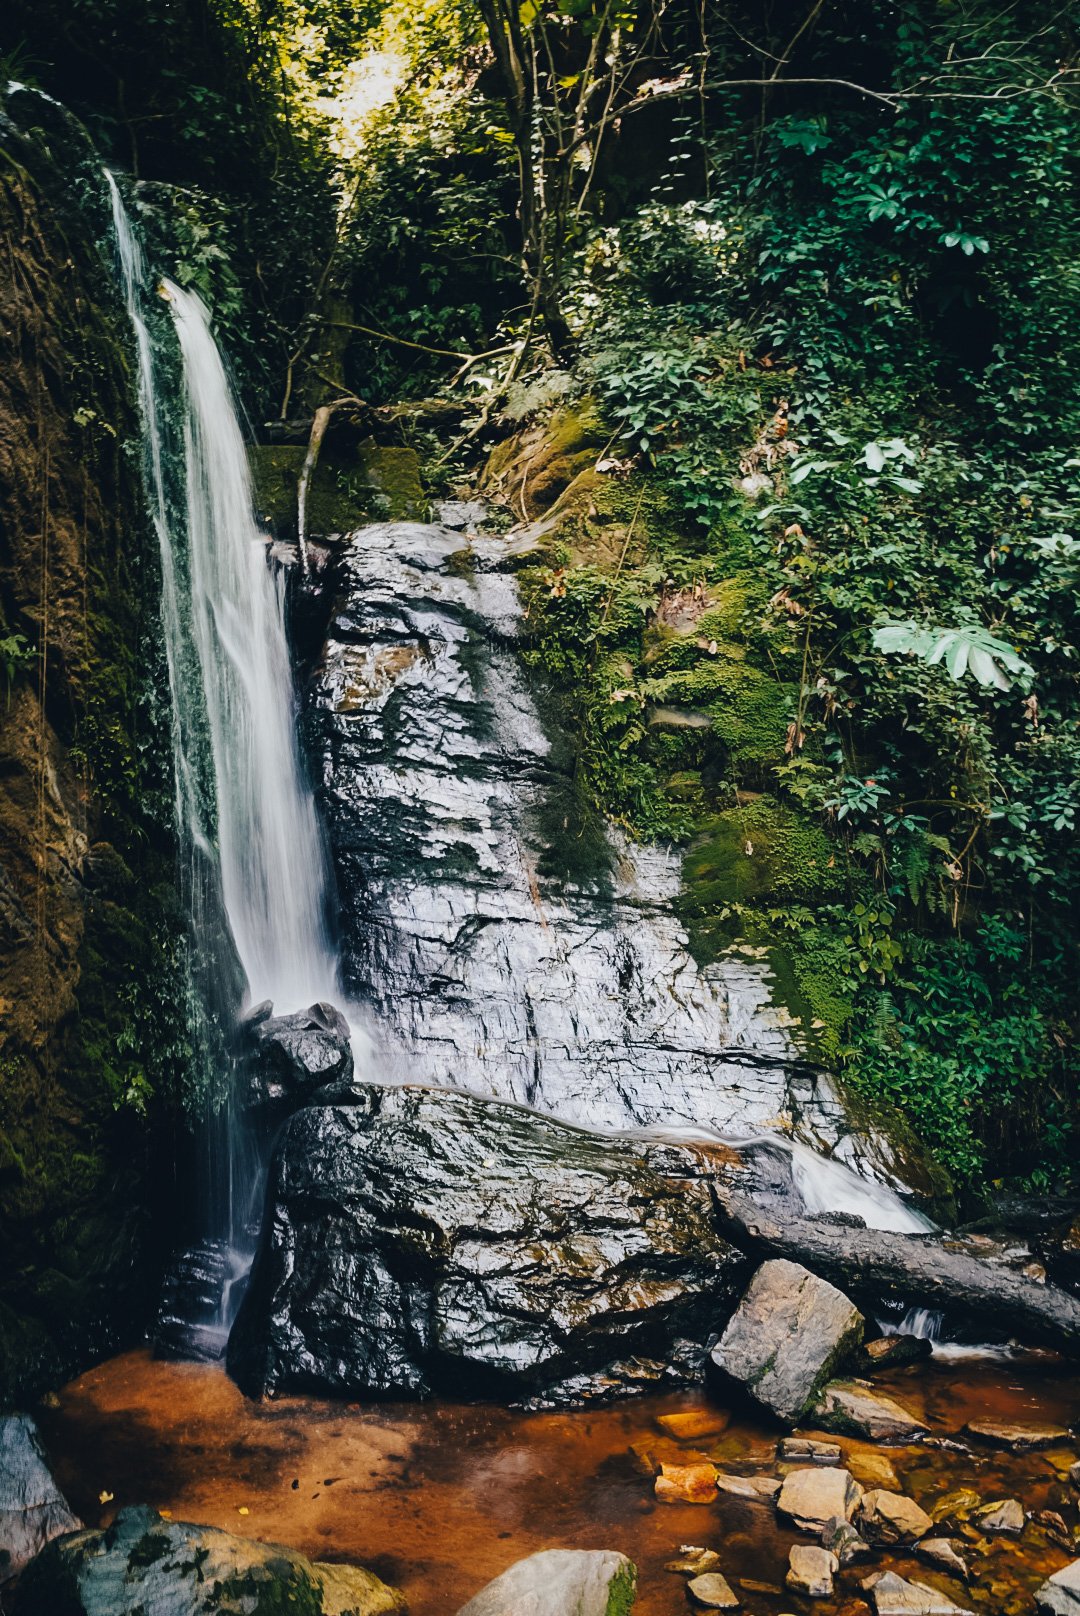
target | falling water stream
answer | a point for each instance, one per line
(253, 866)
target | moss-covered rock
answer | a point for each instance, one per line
(90, 979)
(760, 851)
(374, 483)
(143, 1562)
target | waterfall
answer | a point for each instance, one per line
(223, 615)
(252, 864)
(273, 870)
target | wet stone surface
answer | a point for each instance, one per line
(489, 955)
(419, 1238)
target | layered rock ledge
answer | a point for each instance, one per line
(419, 1239)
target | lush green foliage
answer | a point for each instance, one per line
(852, 365)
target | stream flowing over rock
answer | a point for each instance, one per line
(489, 957)
(419, 1239)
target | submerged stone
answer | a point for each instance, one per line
(789, 1333)
(419, 1238)
(687, 1484)
(556, 1582)
(143, 1563)
(33, 1510)
(713, 1591)
(1017, 1438)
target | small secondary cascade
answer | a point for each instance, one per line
(253, 867)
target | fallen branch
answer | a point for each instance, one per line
(919, 1269)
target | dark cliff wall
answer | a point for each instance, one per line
(88, 991)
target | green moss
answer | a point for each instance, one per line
(374, 484)
(809, 971)
(760, 851)
(622, 1591)
(393, 475)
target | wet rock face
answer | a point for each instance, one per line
(295, 1055)
(32, 1508)
(493, 953)
(418, 1239)
(143, 1563)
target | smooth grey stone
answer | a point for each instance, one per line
(33, 1510)
(789, 1334)
(560, 1582)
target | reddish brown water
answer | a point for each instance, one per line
(438, 1498)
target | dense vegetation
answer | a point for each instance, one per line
(803, 281)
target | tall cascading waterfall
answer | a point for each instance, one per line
(253, 865)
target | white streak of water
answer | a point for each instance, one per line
(273, 869)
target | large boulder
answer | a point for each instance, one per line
(32, 1508)
(789, 1334)
(420, 1238)
(560, 1582)
(293, 1056)
(143, 1564)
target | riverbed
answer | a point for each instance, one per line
(437, 1498)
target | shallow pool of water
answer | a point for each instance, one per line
(438, 1498)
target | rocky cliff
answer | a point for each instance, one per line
(85, 853)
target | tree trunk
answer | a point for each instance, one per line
(919, 1269)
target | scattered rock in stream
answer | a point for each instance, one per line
(145, 1565)
(686, 1484)
(855, 1408)
(811, 1571)
(888, 1517)
(558, 1582)
(788, 1335)
(813, 1497)
(893, 1352)
(33, 1510)
(1017, 1438)
(842, 1539)
(1060, 1594)
(1004, 1516)
(893, 1595)
(419, 1238)
(940, 1551)
(713, 1591)
(808, 1450)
